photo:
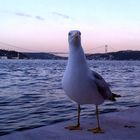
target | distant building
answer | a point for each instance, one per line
(3, 57)
(16, 57)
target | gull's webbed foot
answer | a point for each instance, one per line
(75, 127)
(96, 130)
(129, 126)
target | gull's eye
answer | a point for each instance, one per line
(69, 34)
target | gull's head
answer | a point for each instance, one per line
(74, 38)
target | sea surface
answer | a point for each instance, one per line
(31, 94)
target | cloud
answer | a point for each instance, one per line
(23, 14)
(61, 15)
(30, 16)
(39, 18)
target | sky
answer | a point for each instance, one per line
(43, 25)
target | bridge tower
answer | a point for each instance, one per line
(106, 48)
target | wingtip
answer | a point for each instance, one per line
(113, 98)
(116, 95)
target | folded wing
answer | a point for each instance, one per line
(103, 87)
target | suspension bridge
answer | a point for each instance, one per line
(103, 48)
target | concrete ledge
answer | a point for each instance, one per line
(123, 125)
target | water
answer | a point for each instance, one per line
(31, 93)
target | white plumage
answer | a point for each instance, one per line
(81, 84)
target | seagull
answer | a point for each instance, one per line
(81, 84)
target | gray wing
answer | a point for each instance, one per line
(102, 86)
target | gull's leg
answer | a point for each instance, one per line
(77, 126)
(98, 128)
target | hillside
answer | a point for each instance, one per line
(43, 56)
(120, 55)
(8, 54)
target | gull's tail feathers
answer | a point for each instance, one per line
(114, 96)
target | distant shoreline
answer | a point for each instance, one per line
(120, 55)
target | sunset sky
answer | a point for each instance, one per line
(42, 25)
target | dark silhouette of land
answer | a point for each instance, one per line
(9, 54)
(43, 56)
(120, 55)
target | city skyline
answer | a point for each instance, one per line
(43, 25)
